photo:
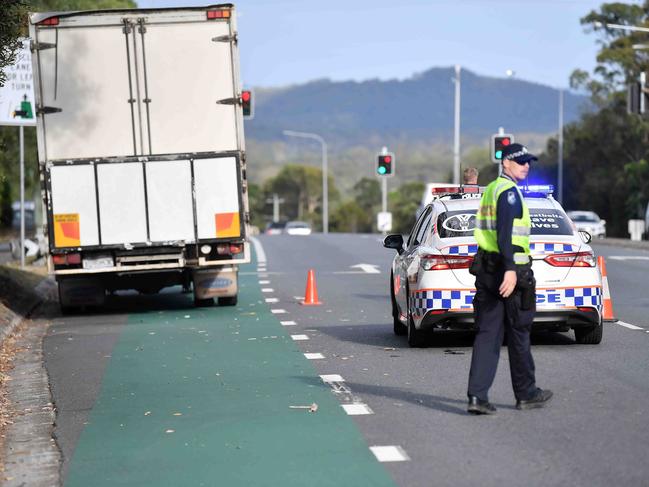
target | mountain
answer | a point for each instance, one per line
(413, 117)
(417, 108)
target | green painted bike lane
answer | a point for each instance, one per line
(202, 396)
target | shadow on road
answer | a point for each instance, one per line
(381, 335)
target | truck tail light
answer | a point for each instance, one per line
(578, 259)
(229, 249)
(236, 248)
(445, 262)
(50, 21)
(67, 259)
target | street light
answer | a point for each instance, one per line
(510, 73)
(325, 186)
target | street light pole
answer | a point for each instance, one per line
(456, 138)
(560, 150)
(325, 182)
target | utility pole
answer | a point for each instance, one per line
(456, 138)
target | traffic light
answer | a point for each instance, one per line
(385, 165)
(246, 103)
(498, 143)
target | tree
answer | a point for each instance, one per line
(404, 203)
(13, 16)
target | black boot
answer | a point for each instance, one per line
(538, 400)
(478, 406)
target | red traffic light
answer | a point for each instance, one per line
(245, 96)
(505, 141)
(387, 159)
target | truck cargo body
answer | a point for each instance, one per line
(141, 150)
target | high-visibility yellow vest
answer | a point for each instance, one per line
(485, 228)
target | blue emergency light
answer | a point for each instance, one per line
(537, 189)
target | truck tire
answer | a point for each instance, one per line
(589, 335)
(203, 303)
(228, 301)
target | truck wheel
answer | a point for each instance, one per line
(228, 301)
(589, 335)
(399, 328)
(203, 303)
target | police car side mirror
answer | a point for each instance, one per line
(585, 236)
(394, 241)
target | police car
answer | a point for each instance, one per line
(431, 287)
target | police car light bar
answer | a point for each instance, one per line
(474, 189)
(545, 189)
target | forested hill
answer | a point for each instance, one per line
(417, 108)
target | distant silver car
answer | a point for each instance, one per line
(590, 222)
(297, 228)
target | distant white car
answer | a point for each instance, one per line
(431, 287)
(297, 228)
(590, 222)
(275, 228)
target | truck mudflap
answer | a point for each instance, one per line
(212, 283)
(76, 292)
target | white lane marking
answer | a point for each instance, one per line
(350, 272)
(263, 275)
(288, 323)
(298, 338)
(628, 257)
(389, 453)
(259, 250)
(369, 268)
(264, 282)
(357, 409)
(267, 290)
(261, 269)
(314, 356)
(332, 378)
(272, 300)
(629, 326)
(278, 311)
(299, 298)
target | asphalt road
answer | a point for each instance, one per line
(594, 433)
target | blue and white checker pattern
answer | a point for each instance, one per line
(457, 299)
(461, 249)
(462, 299)
(569, 297)
(551, 248)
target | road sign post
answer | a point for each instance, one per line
(17, 108)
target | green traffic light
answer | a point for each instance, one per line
(381, 170)
(499, 154)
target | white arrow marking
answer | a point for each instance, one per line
(369, 268)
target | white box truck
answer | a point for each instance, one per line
(141, 151)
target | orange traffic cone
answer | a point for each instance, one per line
(607, 308)
(311, 293)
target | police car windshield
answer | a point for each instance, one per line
(461, 223)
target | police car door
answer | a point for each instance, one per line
(410, 259)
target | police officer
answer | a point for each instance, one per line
(505, 296)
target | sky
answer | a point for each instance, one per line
(284, 42)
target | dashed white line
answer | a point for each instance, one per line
(298, 338)
(629, 326)
(332, 378)
(288, 323)
(314, 356)
(272, 300)
(278, 311)
(357, 409)
(267, 290)
(264, 282)
(389, 453)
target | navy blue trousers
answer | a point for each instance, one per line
(494, 315)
